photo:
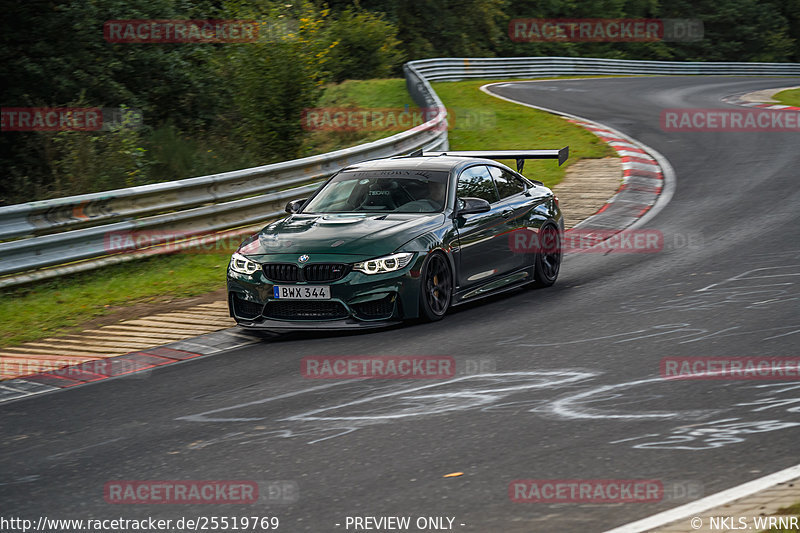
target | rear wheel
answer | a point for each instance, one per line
(547, 262)
(436, 287)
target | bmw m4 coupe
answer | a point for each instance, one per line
(396, 239)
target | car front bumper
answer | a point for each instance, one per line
(357, 301)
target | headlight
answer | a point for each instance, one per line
(243, 265)
(388, 263)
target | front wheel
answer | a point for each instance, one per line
(436, 288)
(548, 258)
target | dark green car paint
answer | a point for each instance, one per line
(476, 246)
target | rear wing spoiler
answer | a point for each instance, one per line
(519, 155)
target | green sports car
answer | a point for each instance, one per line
(396, 239)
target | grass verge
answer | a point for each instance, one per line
(790, 97)
(360, 94)
(485, 122)
(63, 304)
(792, 510)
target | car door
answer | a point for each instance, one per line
(515, 206)
(484, 251)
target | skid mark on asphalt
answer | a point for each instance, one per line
(324, 423)
(757, 288)
(204, 417)
(714, 434)
(577, 406)
(753, 289)
(61, 455)
(563, 395)
(662, 332)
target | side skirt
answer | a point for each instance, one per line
(506, 283)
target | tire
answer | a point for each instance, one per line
(547, 262)
(436, 288)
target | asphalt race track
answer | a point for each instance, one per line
(570, 387)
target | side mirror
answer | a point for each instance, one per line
(469, 206)
(295, 205)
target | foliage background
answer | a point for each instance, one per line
(215, 107)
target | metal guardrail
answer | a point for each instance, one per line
(453, 69)
(76, 228)
(73, 231)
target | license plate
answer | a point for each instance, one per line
(302, 292)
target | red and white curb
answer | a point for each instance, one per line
(642, 183)
(648, 179)
(134, 364)
(738, 100)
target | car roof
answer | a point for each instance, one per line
(417, 163)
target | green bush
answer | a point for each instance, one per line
(89, 162)
(215, 107)
(273, 80)
(365, 46)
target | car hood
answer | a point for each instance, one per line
(363, 235)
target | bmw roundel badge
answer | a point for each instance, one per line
(303, 258)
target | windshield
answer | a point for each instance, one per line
(387, 191)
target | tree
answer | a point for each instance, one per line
(364, 45)
(274, 79)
